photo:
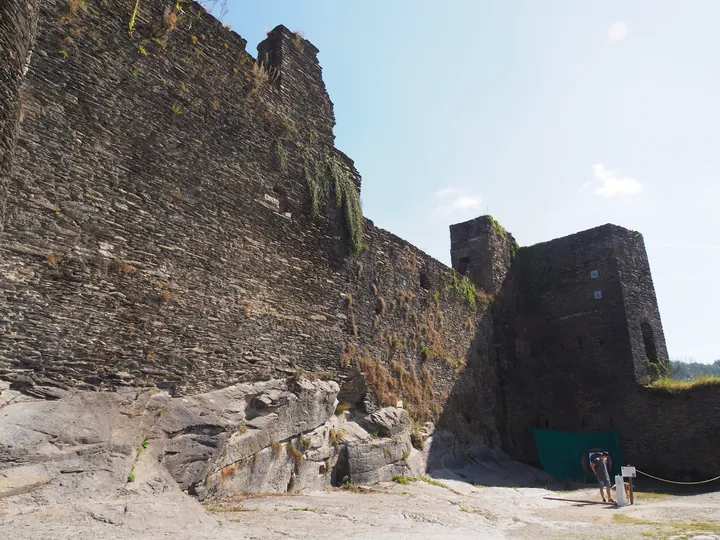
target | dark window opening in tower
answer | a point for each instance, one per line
(463, 266)
(649, 342)
(425, 282)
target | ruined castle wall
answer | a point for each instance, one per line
(160, 228)
(18, 21)
(565, 341)
(573, 355)
(674, 436)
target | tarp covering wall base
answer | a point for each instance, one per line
(561, 452)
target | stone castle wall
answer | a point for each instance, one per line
(167, 224)
(579, 336)
(160, 227)
(18, 20)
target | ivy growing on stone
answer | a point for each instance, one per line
(333, 174)
(466, 289)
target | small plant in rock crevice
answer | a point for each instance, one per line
(341, 408)
(346, 484)
(295, 455)
(133, 16)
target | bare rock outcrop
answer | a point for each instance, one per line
(271, 436)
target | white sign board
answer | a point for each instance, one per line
(628, 472)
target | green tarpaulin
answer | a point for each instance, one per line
(561, 452)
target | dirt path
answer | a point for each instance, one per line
(440, 510)
(459, 510)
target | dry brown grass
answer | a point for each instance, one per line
(228, 472)
(469, 325)
(417, 393)
(75, 6)
(295, 455)
(379, 379)
(380, 306)
(169, 20)
(674, 386)
(348, 354)
(409, 262)
(260, 76)
(122, 267)
(432, 338)
(483, 299)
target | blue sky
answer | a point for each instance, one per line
(553, 116)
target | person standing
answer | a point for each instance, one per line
(598, 464)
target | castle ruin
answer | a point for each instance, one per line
(174, 214)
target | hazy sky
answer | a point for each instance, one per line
(553, 116)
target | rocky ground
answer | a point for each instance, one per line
(138, 463)
(441, 509)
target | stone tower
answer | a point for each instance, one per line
(481, 250)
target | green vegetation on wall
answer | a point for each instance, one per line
(466, 289)
(504, 235)
(499, 229)
(331, 174)
(658, 370)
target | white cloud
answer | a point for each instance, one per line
(446, 191)
(618, 31)
(613, 183)
(454, 202)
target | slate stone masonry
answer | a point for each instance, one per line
(578, 337)
(158, 229)
(18, 21)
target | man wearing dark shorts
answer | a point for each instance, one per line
(598, 463)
